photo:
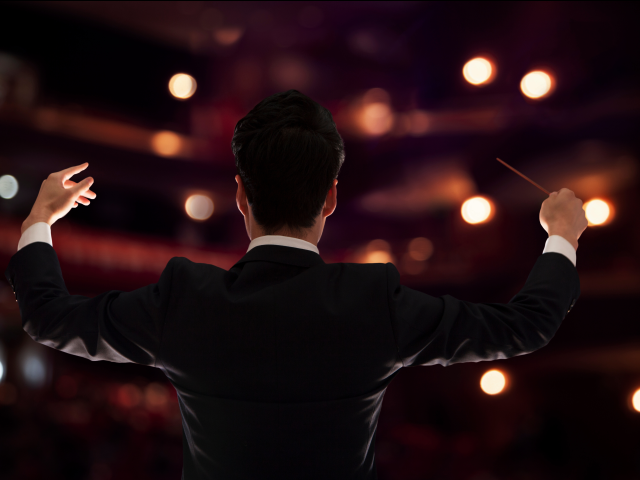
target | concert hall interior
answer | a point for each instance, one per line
(425, 95)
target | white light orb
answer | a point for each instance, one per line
(597, 211)
(635, 400)
(199, 207)
(493, 382)
(182, 86)
(477, 71)
(476, 210)
(536, 84)
(1, 370)
(8, 186)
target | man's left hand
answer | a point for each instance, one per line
(58, 195)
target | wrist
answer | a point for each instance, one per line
(567, 236)
(34, 218)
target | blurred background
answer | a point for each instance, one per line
(426, 96)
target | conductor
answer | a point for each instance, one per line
(281, 363)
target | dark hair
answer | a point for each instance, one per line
(288, 152)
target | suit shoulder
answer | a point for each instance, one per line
(184, 264)
(372, 270)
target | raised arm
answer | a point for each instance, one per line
(446, 330)
(114, 326)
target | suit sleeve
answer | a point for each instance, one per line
(444, 330)
(114, 326)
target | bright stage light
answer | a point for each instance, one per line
(8, 186)
(536, 84)
(635, 400)
(182, 85)
(420, 249)
(166, 143)
(199, 207)
(597, 211)
(478, 71)
(476, 210)
(493, 382)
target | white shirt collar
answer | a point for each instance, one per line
(283, 241)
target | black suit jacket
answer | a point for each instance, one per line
(281, 363)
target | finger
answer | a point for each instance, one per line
(71, 171)
(75, 205)
(83, 200)
(81, 187)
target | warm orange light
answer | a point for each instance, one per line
(536, 84)
(420, 249)
(597, 211)
(155, 396)
(378, 251)
(166, 143)
(376, 119)
(478, 71)
(199, 207)
(228, 36)
(635, 400)
(182, 85)
(493, 382)
(476, 210)
(375, 116)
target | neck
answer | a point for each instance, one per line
(311, 235)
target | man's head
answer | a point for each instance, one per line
(288, 154)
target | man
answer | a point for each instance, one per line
(281, 363)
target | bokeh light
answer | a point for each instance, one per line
(199, 207)
(1, 370)
(34, 370)
(536, 84)
(8, 186)
(226, 37)
(182, 86)
(377, 251)
(635, 400)
(156, 397)
(493, 382)
(478, 71)
(166, 143)
(129, 395)
(375, 117)
(597, 211)
(420, 249)
(476, 210)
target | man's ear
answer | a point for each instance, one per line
(241, 197)
(331, 201)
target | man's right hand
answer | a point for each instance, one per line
(562, 214)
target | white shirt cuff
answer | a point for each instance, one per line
(558, 244)
(38, 232)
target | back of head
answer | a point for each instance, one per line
(288, 152)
